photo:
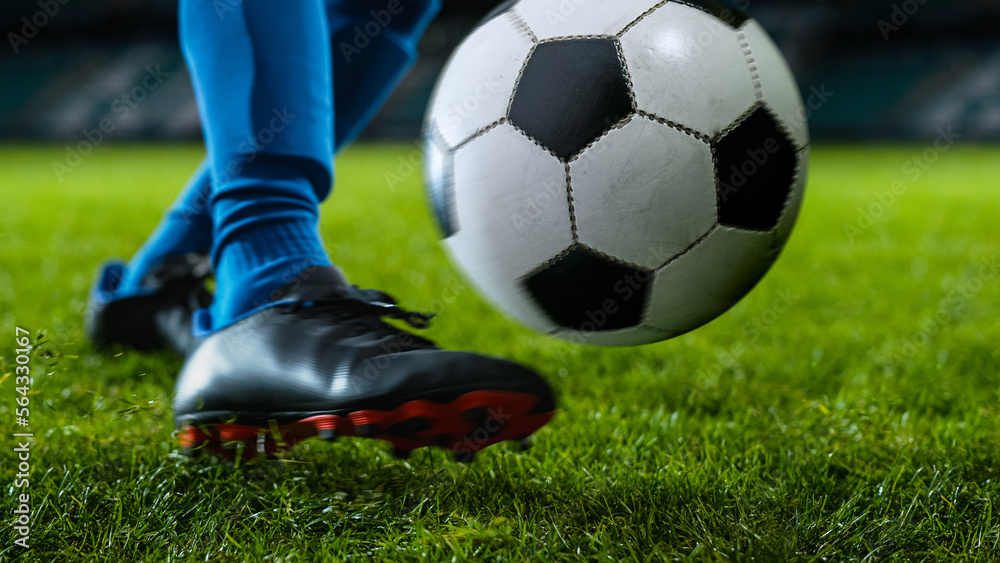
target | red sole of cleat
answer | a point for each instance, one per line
(466, 425)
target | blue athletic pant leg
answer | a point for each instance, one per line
(261, 73)
(374, 44)
(186, 228)
(262, 76)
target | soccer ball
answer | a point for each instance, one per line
(616, 172)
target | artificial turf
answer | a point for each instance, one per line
(847, 409)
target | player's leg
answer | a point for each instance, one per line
(288, 343)
(262, 77)
(268, 166)
(374, 44)
(186, 228)
(148, 303)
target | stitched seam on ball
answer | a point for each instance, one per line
(622, 123)
(642, 16)
(614, 259)
(781, 127)
(703, 10)
(572, 204)
(690, 247)
(774, 247)
(520, 22)
(535, 141)
(780, 123)
(569, 37)
(674, 125)
(739, 121)
(715, 176)
(788, 200)
(579, 245)
(758, 87)
(551, 261)
(479, 133)
(520, 74)
(626, 74)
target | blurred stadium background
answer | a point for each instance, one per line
(886, 70)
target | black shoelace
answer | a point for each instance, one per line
(364, 311)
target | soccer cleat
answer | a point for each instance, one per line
(156, 316)
(323, 363)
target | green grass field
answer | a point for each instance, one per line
(847, 409)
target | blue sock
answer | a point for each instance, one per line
(266, 235)
(186, 228)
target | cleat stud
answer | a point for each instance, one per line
(464, 456)
(327, 434)
(401, 453)
(364, 429)
(525, 444)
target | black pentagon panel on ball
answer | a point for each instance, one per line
(585, 290)
(439, 165)
(570, 92)
(755, 169)
(726, 10)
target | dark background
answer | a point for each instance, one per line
(941, 68)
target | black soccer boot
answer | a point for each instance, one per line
(322, 362)
(159, 314)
